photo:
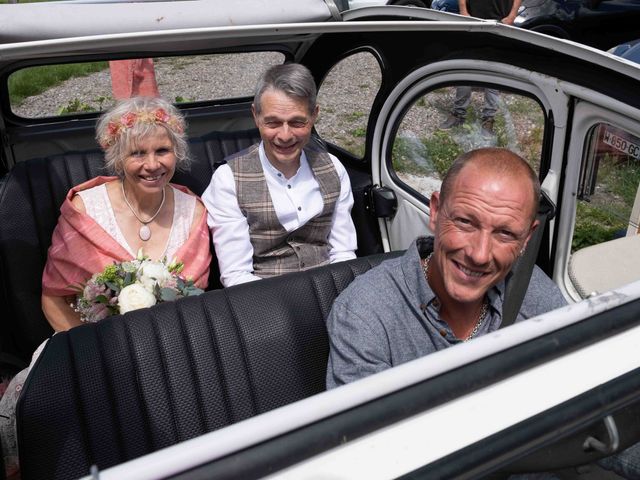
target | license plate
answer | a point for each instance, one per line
(622, 144)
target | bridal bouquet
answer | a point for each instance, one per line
(125, 286)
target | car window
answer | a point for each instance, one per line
(443, 123)
(54, 90)
(605, 247)
(345, 98)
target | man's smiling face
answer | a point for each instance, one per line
(285, 125)
(480, 229)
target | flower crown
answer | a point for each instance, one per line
(158, 116)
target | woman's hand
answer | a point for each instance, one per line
(59, 313)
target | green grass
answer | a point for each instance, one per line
(607, 214)
(359, 132)
(525, 106)
(594, 225)
(35, 80)
(353, 116)
(352, 144)
(443, 150)
(621, 178)
(439, 152)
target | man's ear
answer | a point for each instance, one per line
(434, 206)
(253, 112)
(532, 229)
(316, 110)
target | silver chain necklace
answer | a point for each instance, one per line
(483, 310)
(145, 232)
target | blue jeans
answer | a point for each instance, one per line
(463, 98)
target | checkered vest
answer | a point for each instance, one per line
(276, 251)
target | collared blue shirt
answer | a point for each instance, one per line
(389, 316)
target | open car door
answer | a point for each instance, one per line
(574, 121)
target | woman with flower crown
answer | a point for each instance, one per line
(110, 220)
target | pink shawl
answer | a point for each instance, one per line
(80, 247)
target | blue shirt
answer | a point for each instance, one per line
(389, 316)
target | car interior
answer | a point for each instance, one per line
(129, 386)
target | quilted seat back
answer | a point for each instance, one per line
(104, 393)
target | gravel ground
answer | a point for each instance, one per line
(195, 78)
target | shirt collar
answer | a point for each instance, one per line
(272, 171)
(418, 285)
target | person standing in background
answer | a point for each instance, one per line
(132, 78)
(504, 11)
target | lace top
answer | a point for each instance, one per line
(98, 206)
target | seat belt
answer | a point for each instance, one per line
(518, 278)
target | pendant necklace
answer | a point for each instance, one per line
(145, 232)
(483, 310)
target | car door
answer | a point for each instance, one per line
(561, 116)
(598, 238)
(418, 147)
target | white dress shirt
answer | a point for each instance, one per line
(296, 201)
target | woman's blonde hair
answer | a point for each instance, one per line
(129, 121)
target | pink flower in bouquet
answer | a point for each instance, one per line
(97, 312)
(93, 290)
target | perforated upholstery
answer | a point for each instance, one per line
(30, 199)
(109, 392)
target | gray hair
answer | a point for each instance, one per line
(119, 141)
(294, 79)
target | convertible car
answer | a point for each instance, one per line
(230, 384)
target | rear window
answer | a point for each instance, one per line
(54, 90)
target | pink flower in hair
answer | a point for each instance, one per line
(113, 128)
(161, 115)
(128, 119)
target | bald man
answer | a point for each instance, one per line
(448, 288)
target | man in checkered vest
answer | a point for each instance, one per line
(284, 204)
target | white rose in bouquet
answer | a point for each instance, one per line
(129, 285)
(154, 273)
(135, 296)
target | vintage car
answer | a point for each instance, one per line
(231, 383)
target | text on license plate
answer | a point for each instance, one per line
(622, 144)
